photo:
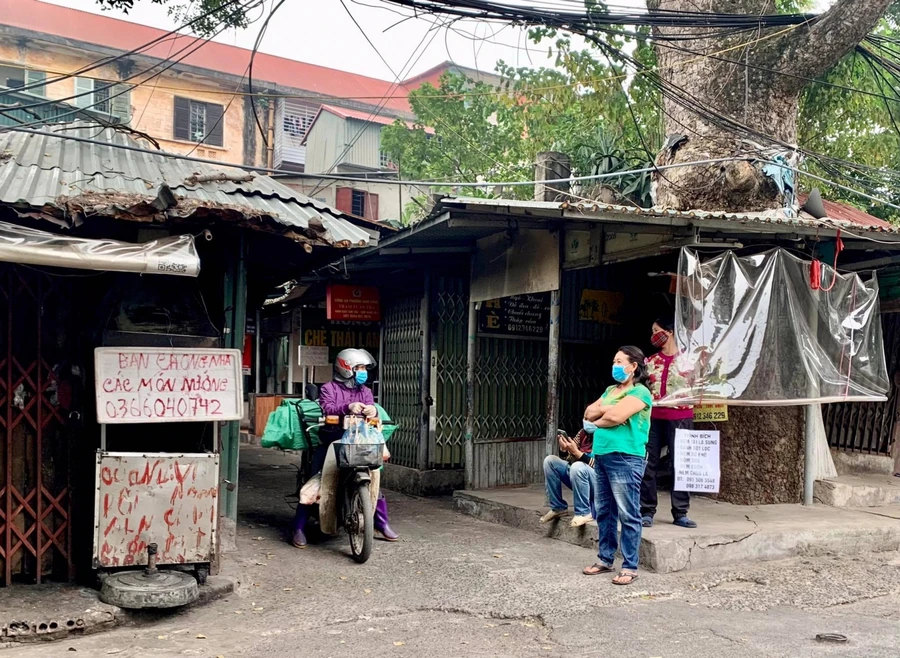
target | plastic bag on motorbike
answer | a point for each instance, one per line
(309, 493)
(362, 446)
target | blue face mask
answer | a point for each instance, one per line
(361, 377)
(619, 374)
(589, 427)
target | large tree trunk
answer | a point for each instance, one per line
(762, 448)
(762, 99)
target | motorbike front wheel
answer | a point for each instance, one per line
(361, 523)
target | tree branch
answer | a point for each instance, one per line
(812, 49)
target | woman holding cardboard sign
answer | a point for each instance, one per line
(665, 376)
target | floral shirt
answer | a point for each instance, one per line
(666, 379)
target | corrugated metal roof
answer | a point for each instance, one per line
(840, 216)
(47, 171)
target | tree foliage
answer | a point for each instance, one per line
(208, 16)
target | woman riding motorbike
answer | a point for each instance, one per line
(346, 395)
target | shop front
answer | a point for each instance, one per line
(511, 332)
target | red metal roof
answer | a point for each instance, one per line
(123, 35)
(847, 213)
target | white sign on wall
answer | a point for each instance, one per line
(163, 385)
(313, 355)
(696, 462)
(167, 499)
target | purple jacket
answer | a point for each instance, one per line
(335, 398)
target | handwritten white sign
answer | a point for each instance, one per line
(167, 499)
(697, 461)
(160, 385)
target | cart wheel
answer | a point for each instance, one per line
(361, 523)
(202, 575)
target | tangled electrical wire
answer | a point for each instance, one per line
(696, 34)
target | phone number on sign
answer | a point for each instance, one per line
(168, 407)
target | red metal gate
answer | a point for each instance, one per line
(35, 500)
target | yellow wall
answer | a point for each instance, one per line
(152, 107)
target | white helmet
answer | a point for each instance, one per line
(346, 363)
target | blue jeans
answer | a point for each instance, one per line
(619, 500)
(579, 477)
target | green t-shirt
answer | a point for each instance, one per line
(631, 436)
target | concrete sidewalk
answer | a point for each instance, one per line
(727, 534)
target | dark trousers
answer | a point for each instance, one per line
(662, 433)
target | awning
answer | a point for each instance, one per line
(175, 255)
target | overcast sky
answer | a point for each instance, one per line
(321, 32)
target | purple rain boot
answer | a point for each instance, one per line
(382, 525)
(298, 539)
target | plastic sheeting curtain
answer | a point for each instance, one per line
(176, 255)
(753, 331)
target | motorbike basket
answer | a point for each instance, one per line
(359, 455)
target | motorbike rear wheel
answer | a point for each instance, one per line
(361, 523)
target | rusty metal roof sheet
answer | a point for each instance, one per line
(41, 171)
(839, 215)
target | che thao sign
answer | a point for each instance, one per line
(353, 303)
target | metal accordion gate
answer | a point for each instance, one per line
(35, 488)
(868, 427)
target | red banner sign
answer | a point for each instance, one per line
(353, 303)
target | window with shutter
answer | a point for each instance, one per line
(120, 103)
(196, 121)
(84, 92)
(371, 207)
(182, 123)
(215, 121)
(104, 97)
(359, 203)
(343, 199)
(36, 77)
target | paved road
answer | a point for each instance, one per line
(461, 587)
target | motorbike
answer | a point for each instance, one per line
(355, 461)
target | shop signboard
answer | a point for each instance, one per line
(168, 385)
(524, 316)
(353, 303)
(321, 339)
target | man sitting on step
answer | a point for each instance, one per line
(577, 473)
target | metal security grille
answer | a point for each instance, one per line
(510, 388)
(581, 381)
(401, 375)
(448, 376)
(35, 528)
(868, 426)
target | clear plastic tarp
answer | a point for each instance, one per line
(175, 255)
(754, 332)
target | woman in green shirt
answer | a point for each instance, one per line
(620, 424)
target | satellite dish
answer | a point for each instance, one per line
(814, 205)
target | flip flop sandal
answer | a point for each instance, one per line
(600, 568)
(623, 574)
